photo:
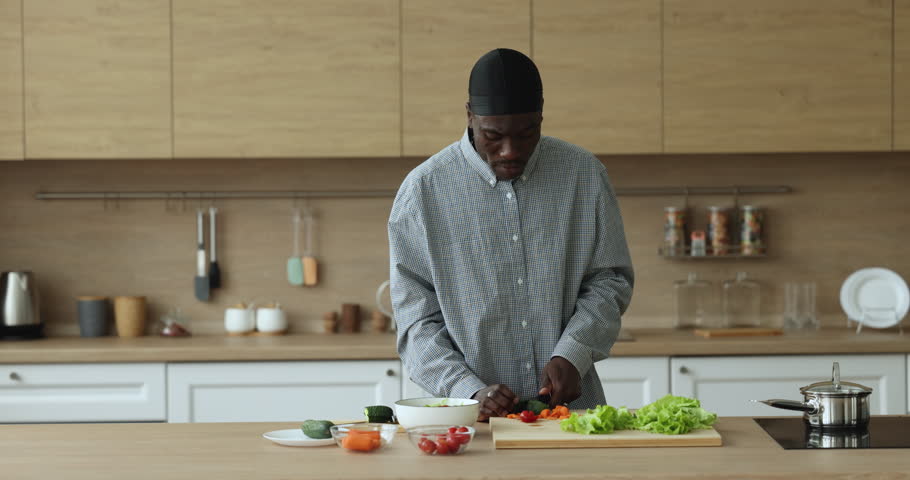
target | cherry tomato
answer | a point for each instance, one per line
(528, 416)
(426, 445)
(442, 448)
(462, 429)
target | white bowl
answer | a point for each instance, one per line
(414, 412)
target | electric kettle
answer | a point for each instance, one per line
(19, 315)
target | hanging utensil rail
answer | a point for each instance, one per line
(201, 195)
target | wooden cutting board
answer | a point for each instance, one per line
(737, 332)
(510, 433)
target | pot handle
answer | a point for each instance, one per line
(790, 405)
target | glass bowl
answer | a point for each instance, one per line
(441, 439)
(364, 437)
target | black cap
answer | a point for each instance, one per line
(505, 82)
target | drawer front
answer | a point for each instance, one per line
(82, 393)
(279, 391)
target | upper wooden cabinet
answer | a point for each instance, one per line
(278, 78)
(441, 41)
(11, 80)
(97, 79)
(902, 74)
(777, 75)
(600, 63)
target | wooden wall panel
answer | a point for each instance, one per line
(902, 74)
(777, 75)
(441, 41)
(11, 80)
(600, 63)
(275, 78)
(97, 76)
(848, 212)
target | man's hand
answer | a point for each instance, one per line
(560, 381)
(495, 401)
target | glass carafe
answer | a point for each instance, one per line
(741, 302)
(694, 301)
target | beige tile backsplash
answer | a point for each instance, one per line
(848, 211)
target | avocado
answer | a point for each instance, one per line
(317, 428)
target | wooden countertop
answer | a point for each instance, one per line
(364, 346)
(237, 450)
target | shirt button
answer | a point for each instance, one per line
(514, 238)
(520, 281)
(528, 366)
(509, 195)
(523, 177)
(492, 182)
(524, 324)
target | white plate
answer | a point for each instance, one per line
(294, 437)
(878, 290)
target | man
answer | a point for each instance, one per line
(509, 264)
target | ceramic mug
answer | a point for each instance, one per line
(239, 320)
(271, 320)
(130, 315)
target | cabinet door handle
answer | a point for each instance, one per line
(683, 370)
(390, 373)
(15, 377)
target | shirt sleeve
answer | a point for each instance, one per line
(605, 290)
(424, 345)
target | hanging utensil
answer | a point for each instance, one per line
(214, 269)
(295, 266)
(201, 283)
(310, 267)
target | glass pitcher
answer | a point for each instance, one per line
(741, 302)
(694, 303)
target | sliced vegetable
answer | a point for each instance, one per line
(378, 414)
(536, 406)
(442, 403)
(527, 416)
(362, 441)
(601, 419)
(673, 415)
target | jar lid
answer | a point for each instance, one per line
(835, 387)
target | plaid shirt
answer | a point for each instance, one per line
(491, 279)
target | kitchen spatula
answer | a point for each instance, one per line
(201, 283)
(214, 269)
(295, 266)
(310, 267)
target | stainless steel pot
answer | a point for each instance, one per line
(831, 404)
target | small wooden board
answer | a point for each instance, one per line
(512, 433)
(737, 332)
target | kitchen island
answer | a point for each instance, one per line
(237, 450)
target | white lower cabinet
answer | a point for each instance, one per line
(121, 392)
(634, 381)
(726, 385)
(279, 391)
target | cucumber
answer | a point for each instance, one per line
(378, 414)
(317, 428)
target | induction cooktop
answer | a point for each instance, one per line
(793, 433)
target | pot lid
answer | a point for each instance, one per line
(835, 386)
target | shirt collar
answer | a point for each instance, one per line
(483, 168)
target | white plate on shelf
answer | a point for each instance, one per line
(881, 292)
(294, 437)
